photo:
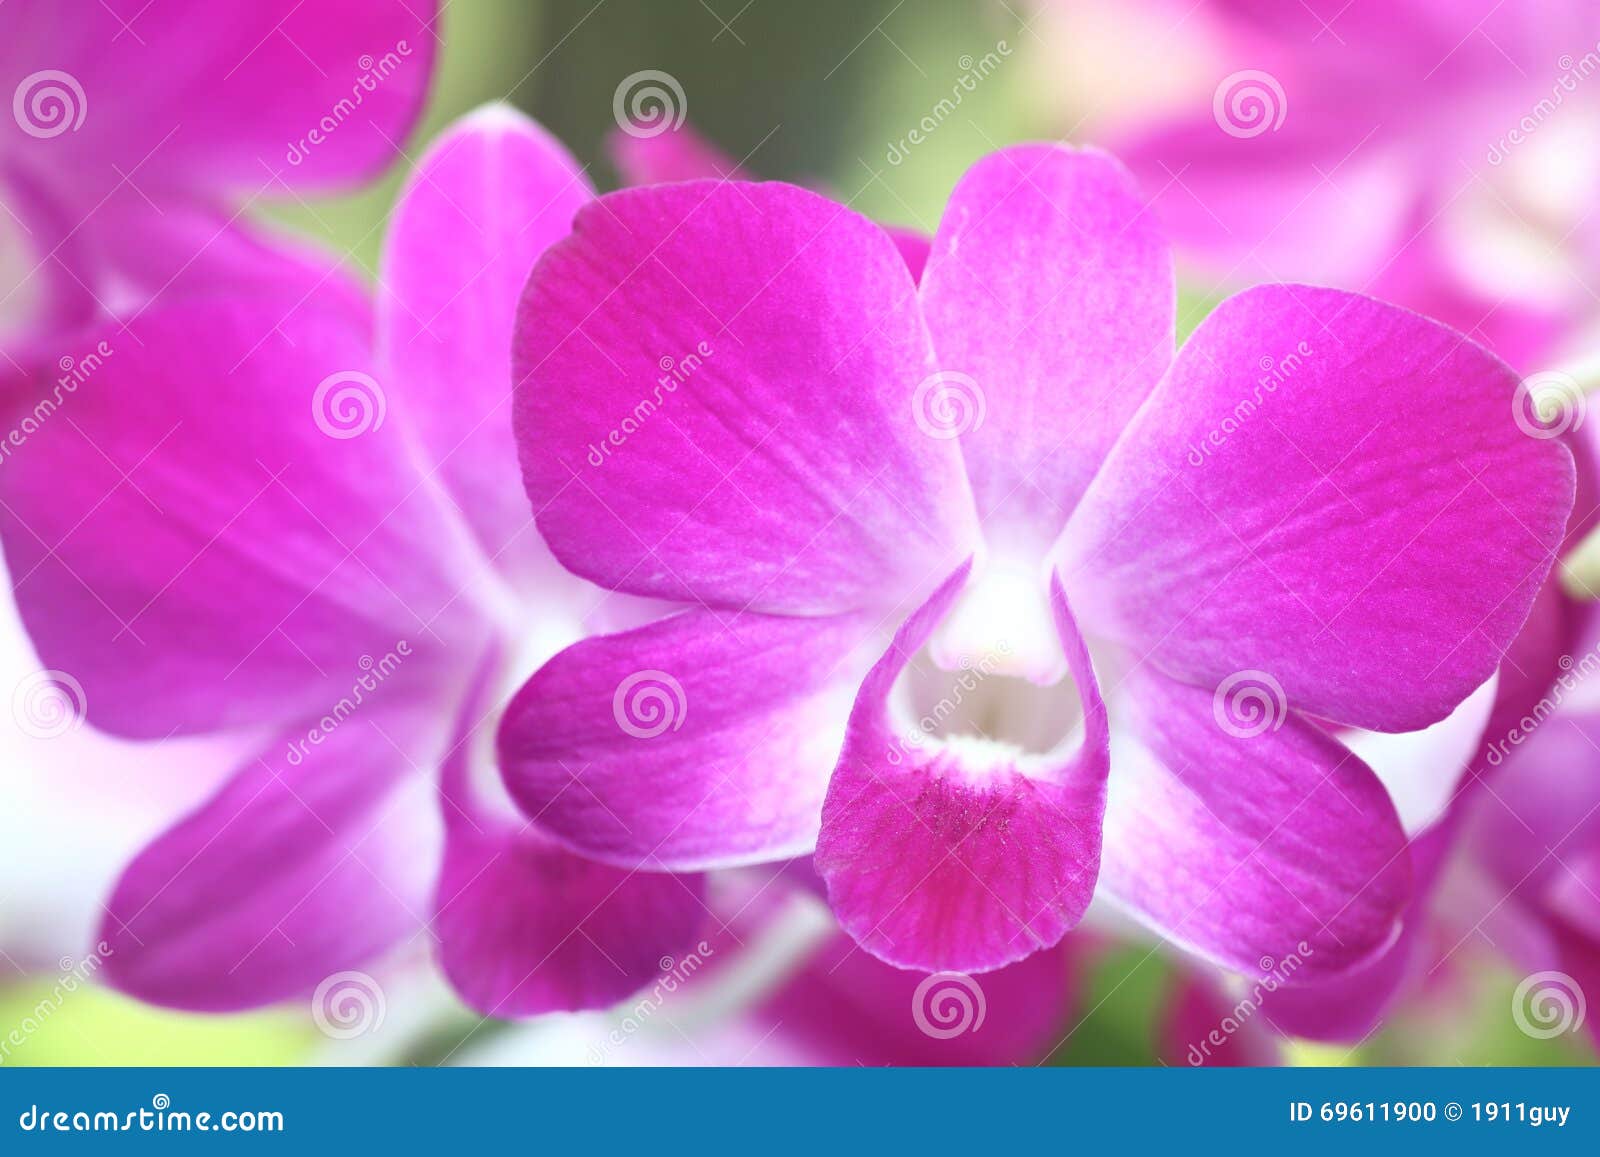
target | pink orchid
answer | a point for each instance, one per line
(140, 132)
(1432, 154)
(737, 396)
(262, 518)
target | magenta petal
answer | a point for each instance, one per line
(1050, 287)
(936, 862)
(846, 1007)
(1202, 1025)
(1249, 844)
(1248, 208)
(527, 927)
(715, 403)
(1330, 490)
(696, 741)
(217, 524)
(656, 154)
(313, 859)
(488, 198)
(190, 93)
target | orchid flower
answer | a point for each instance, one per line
(263, 519)
(737, 397)
(1431, 154)
(140, 133)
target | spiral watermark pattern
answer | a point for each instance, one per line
(948, 404)
(1249, 103)
(348, 404)
(948, 1004)
(649, 703)
(1249, 703)
(1548, 404)
(347, 1005)
(1547, 1004)
(49, 103)
(48, 704)
(649, 103)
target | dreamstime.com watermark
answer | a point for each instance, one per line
(973, 72)
(347, 1005)
(1275, 974)
(348, 404)
(1573, 74)
(649, 703)
(1249, 703)
(649, 103)
(674, 372)
(74, 372)
(48, 704)
(1274, 372)
(160, 1117)
(1249, 103)
(674, 975)
(374, 71)
(1573, 673)
(48, 103)
(948, 1004)
(947, 404)
(373, 674)
(967, 681)
(1548, 1004)
(74, 975)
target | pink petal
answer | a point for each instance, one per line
(846, 1007)
(314, 858)
(1251, 839)
(1249, 203)
(654, 155)
(526, 927)
(488, 198)
(1332, 491)
(208, 97)
(714, 404)
(701, 740)
(203, 534)
(936, 861)
(1206, 1025)
(1051, 290)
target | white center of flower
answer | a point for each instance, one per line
(1004, 623)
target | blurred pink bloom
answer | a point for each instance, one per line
(1432, 154)
(260, 518)
(850, 453)
(139, 133)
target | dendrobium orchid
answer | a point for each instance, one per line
(137, 129)
(738, 397)
(259, 518)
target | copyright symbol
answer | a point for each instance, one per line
(1452, 1112)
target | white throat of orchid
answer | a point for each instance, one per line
(992, 685)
